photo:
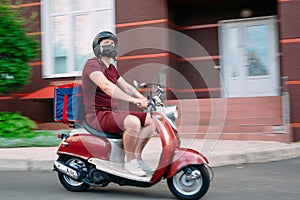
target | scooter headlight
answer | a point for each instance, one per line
(171, 112)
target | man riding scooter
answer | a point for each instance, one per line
(92, 153)
(102, 87)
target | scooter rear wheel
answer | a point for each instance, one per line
(69, 183)
(187, 188)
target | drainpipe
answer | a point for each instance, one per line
(285, 105)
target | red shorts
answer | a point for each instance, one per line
(113, 121)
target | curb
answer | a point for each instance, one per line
(25, 165)
(255, 157)
(240, 152)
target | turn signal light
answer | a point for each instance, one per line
(61, 136)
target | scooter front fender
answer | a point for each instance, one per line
(183, 157)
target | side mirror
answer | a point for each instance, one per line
(138, 85)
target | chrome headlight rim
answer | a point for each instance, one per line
(176, 114)
(171, 112)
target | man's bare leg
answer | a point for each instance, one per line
(130, 137)
(143, 139)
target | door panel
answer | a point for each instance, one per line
(249, 65)
(231, 61)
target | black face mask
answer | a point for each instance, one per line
(109, 51)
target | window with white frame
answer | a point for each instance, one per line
(69, 27)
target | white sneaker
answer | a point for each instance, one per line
(145, 167)
(134, 168)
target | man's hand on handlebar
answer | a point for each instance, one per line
(140, 102)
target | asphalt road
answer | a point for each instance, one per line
(268, 181)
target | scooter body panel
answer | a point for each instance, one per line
(167, 134)
(85, 146)
(116, 169)
(183, 157)
(169, 141)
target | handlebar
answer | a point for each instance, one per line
(154, 97)
(155, 103)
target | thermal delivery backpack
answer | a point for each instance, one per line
(68, 107)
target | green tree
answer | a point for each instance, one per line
(16, 50)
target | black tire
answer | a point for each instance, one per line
(189, 190)
(69, 183)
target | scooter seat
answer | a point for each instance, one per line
(99, 133)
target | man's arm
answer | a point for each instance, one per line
(129, 89)
(111, 89)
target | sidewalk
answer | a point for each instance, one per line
(218, 152)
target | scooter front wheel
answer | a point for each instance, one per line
(191, 182)
(69, 183)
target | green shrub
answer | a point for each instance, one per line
(14, 125)
(16, 50)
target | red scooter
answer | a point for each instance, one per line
(88, 157)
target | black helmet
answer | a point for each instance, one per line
(101, 36)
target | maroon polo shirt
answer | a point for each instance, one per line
(94, 98)
(101, 111)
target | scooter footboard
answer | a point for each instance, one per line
(183, 157)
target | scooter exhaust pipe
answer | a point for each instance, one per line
(67, 170)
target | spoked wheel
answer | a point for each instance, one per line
(191, 182)
(69, 183)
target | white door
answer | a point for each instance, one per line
(249, 61)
